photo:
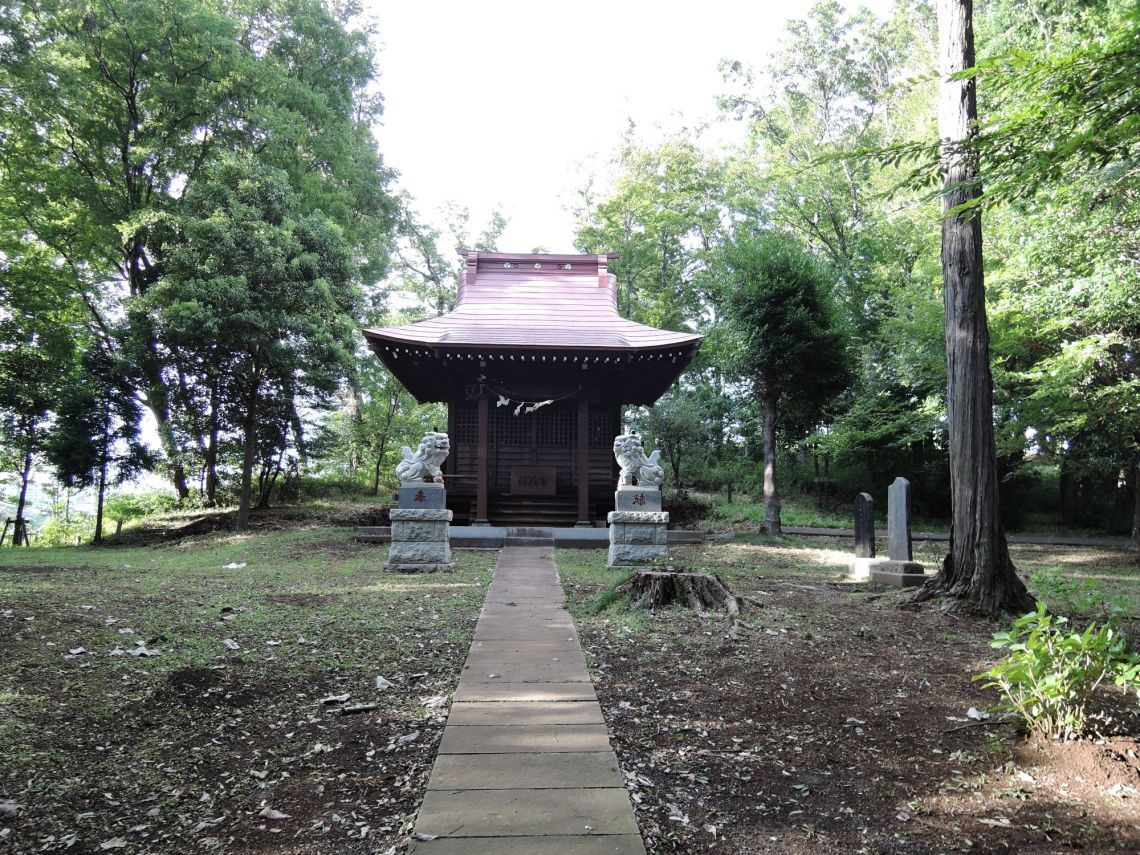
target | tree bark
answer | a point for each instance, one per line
(978, 572)
(652, 589)
(299, 436)
(771, 500)
(248, 446)
(1136, 508)
(212, 450)
(376, 475)
(21, 525)
(1068, 486)
(98, 539)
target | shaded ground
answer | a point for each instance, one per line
(838, 722)
(236, 720)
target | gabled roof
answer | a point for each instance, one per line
(563, 302)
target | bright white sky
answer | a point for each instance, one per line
(516, 104)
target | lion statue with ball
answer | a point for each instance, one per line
(635, 465)
(424, 464)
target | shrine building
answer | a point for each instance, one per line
(534, 364)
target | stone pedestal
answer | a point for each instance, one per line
(420, 540)
(900, 574)
(637, 499)
(637, 538)
(414, 494)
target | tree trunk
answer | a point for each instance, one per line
(158, 402)
(379, 463)
(21, 525)
(299, 437)
(248, 446)
(653, 589)
(1068, 485)
(212, 450)
(98, 539)
(771, 501)
(978, 571)
(1136, 508)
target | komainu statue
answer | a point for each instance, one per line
(424, 464)
(634, 464)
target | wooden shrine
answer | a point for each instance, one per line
(534, 363)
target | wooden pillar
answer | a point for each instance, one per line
(481, 465)
(583, 460)
(449, 464)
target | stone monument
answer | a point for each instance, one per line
(420, 520)
(860, 565)
(638, 525)
(900, 569)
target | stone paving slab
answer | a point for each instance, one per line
(596, 844)
(523, 631)
(523, 738)
(566, 668)
(525, 764)
(527, 658)
(507, 646)
(534, 713)
(525, 771)
(524, 610)
(509, 813)
(500, 691)
(537, 672)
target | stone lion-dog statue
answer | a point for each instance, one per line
(635, 465)
(424, 464)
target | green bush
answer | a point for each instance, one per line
(124, 507)
(1049, 673)
(61, 531)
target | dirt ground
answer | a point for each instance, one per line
(837, 723)
(237, 735)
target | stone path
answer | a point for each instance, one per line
(525, 764)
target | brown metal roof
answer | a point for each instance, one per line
(535, 302)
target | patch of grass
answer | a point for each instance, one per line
(743, 511)
(1080, 596)
(611, 597)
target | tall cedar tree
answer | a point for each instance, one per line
(978, 571)
(791, 347)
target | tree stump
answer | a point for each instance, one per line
(654, 589)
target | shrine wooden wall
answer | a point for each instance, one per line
(546, 437)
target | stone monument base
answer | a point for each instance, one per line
(637, 499)
(859, 569)
(420, 540)
(421, 494)
(637, 538)
(900, 574)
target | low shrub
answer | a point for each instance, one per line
(1049, 672)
